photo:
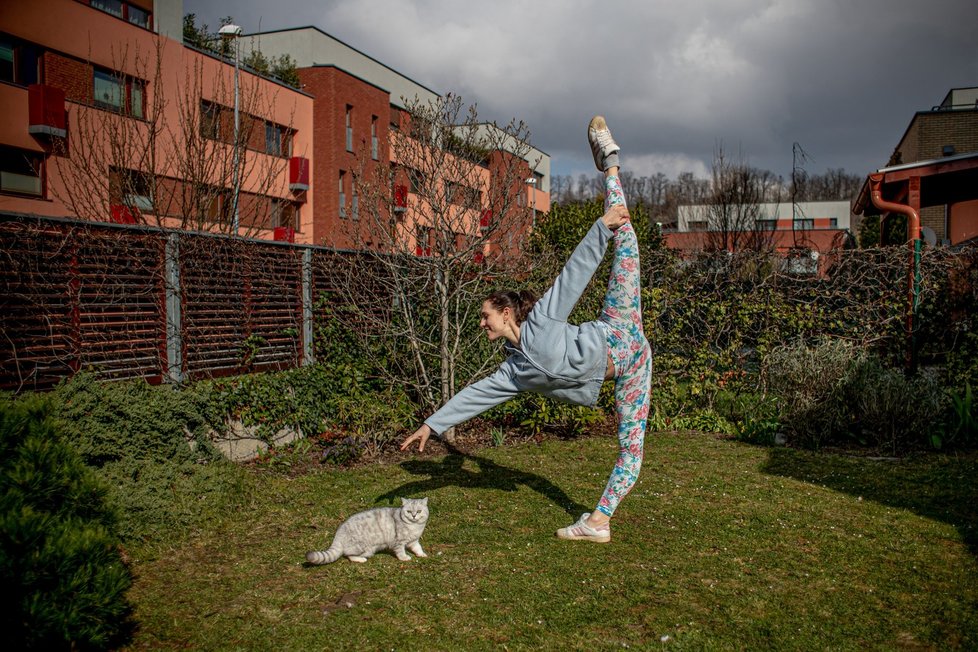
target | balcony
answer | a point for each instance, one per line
(46, 111)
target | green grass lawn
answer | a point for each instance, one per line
(721, 546)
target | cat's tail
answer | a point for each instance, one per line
(320, 557)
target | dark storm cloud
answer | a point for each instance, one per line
(676, 79)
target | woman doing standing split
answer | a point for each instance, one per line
(549, 356)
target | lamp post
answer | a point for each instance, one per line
(532, 183)
(233, 32)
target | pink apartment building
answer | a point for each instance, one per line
(108, 116)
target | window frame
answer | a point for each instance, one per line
(211, 112)
(135, 189)
(34, 162)
(18, 65)
(349, 128)
(127, 93)
(280, 207)
(126, 9)
(281, 136)
(374, 139)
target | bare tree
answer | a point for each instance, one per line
(734, 211)
(437, 227)
(150, 146)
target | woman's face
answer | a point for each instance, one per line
(493, 321)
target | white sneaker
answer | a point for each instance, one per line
(602, 144)
(581, 531)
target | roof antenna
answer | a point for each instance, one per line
(798, 159)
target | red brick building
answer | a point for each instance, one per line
(349, 114)
(359, 103)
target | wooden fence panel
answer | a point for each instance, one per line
(242, 307)
(78, 295)
(213, 296)
(38, 345)
(120, 297)
(274, 306)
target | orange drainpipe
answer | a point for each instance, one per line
(913, 239)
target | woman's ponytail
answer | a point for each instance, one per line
(521, 303)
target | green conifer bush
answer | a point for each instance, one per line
(63, 577)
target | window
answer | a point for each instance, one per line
(804, 224)
(424, 241)
(696, 225)
(833, 222)
(766, 225)
(210, 120)
(373, 138)
(7, 59)
(278, 140)
(121, 94)
(283, 214)
(355, 206)
(414, 178)
(109, 91)
(137, 16)
(342, 193)
(131, 188)
(20, 171)
(19, 61)
(137, 102)
(349, 128)
(273, 139)
(217, 205)
(124, 10)
(462, 195)
(113, 7)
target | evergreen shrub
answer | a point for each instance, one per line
(64, 579)
(150, 446)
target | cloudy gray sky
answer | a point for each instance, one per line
(675, 78)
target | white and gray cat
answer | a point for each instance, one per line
(383, 528)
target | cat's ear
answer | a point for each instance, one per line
(424, 501)
(403, 501)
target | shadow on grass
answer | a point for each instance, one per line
(490, 475)
(938, 487)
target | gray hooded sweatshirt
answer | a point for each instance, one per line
(554, 358)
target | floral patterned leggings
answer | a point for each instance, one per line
(621, 317)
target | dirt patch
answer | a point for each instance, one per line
(314, 453)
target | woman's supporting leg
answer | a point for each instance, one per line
(632, 408)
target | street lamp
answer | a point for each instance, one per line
(229, 32)
(532, 182)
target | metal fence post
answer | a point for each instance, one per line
(308, 357)
(174, 338)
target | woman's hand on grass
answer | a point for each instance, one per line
(420, 435)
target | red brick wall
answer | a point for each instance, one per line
(70, 75)
(334, 90)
